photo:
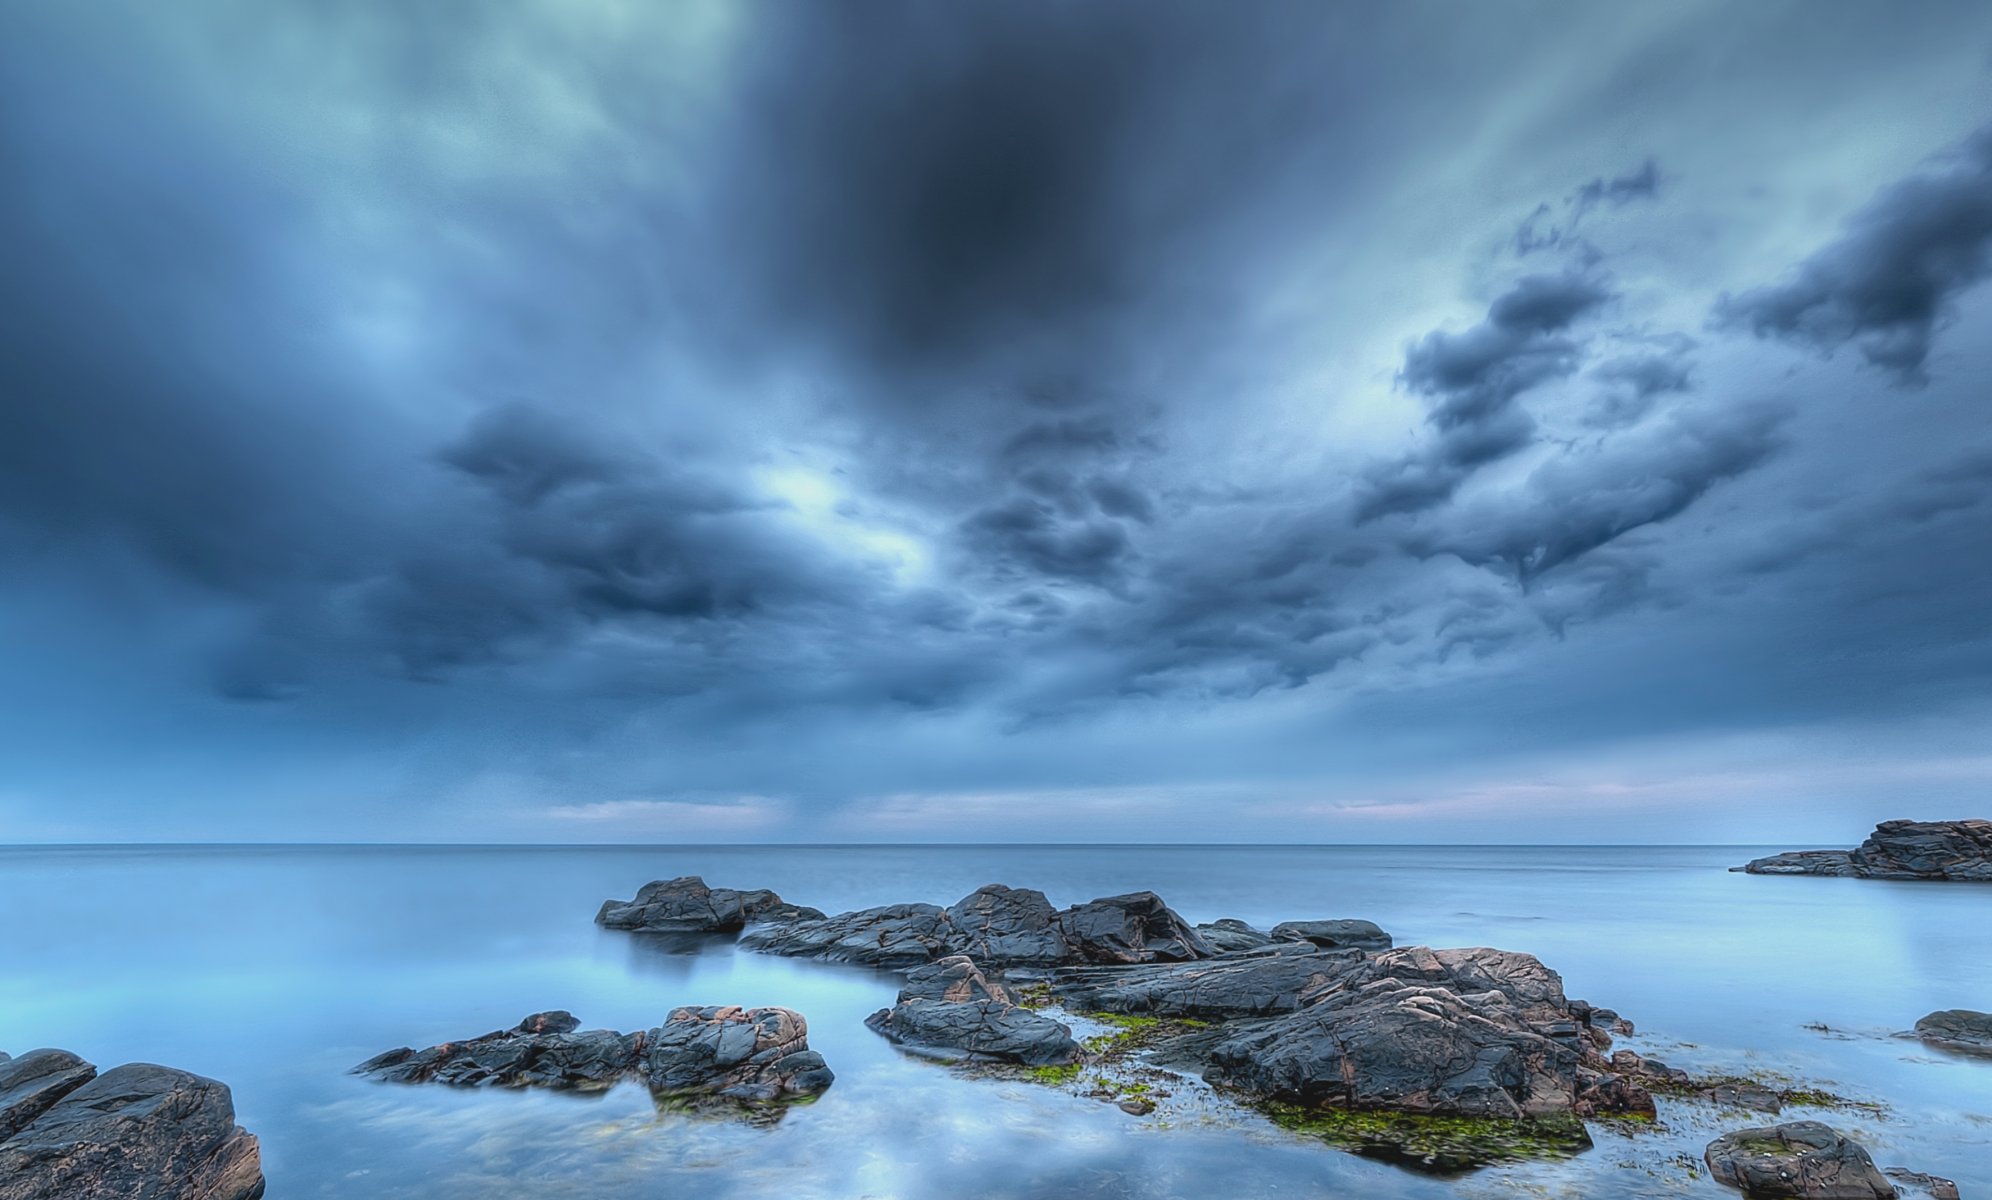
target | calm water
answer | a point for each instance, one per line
(275, 969)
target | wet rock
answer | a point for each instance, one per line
(136, 1132)
(750, 1055)
(1011, 926)
(1927, 850)
(1612, 1095)
(687, 905)
(1137, 1107)
(1916, 1183)
(1742, 1093)
(31, 1084)
(1135, 928)
(1334, 935)
(979, 1028)
(955, 979)
(891, 935)
(1651, 1071)
(1230, 935)
(1802, 1159)
(1958, 1029)
(1247, 984)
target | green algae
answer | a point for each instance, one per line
(1435, 1143)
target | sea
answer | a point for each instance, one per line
(277, 968)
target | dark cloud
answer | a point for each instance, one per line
(1634, 383)
(1550, 227)
(1888, 283)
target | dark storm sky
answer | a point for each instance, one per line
(1111, 421)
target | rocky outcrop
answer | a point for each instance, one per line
(1927, 850)
(955, 979)
(749, 1056)
(1464, 1033)
(998, 926)
(1802, 1159)
(687, 905)
(985, 1028)
(1273, 979)
(136, 1132)
(1958, 1029)
(1230, 935)
(1334, 935)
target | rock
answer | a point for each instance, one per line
(687, 905)
(1932, 850)
(1741, 1093)
(955, 979)
(1135, 928)
(1936, 1187)
(979, 1028)
(1011, 926)
(1334, 935)
(1650, 1070)
(1802, 1158)
(1137, 1107)
(755, 1055)
(31, 1084)
(1254, 984)
(1612, 1095)
(892, 935)
(136, 1132)
(1958, 1029)
(1231, 935)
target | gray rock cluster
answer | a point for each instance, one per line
(1958, 1029)
(136, 1132)
(1918, 850)
(687, 905)
(749, 1057)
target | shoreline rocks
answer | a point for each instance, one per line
(951, 1006)
(687, 905)
(1957, 851)
(1804, 1159)
(135, 1132)
(1958, 1029)
(750, 1057)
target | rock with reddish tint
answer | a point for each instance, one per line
(749, 1056)
(1007, 926)
(985, 1029)
(1918, 1184)
(1804, 1159)
(687, 905)
(136, 1132)
(954, 979)
(1135, 928)
(31, 1084)
(1611, 1095)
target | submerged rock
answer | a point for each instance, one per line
(979, 1028)
(755, 1056)
(1800, 1159)
(136, 1132)
(996, 925)
(1958, 1029)
(687, 905)
(1929, 850)
(1334, 935)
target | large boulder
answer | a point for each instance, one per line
(1802, 1159)
(1010, 926)
(1334, 935)
(752, 1056)
(1929, 850)
(1135, 928)
(1259, 983)
(31, 1084)
(891, 935)
(687, 905)
(136, 1132)
(984, 1028)
(1959, 1029)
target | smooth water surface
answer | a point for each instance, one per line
(277, 968)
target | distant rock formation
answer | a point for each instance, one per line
(687, 905)
(136, 1132)
(749, 1057)
(1928, 850)
(1958, 1029)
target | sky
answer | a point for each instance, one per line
(1027, 421)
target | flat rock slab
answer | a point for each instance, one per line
(1799, 1159)
(1958, 1029)
(687, 905)
(986, 1029)
(1927, 850)
(1251, 984)
(136, 1132)
(756, 1056)
(1334, 935)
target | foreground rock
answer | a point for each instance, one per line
(998, 926)
(1958, 1029)
(985, 1029)
(687, 905)
(1802, 1158)
(136, 1132)
(756, 1056)
(1926, 850)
